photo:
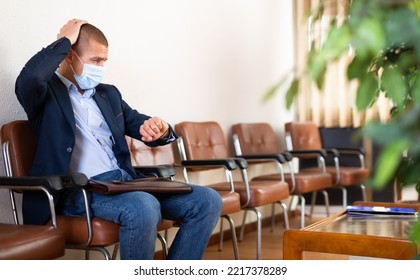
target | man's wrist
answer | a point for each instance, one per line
(165, 134)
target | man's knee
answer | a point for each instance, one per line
(210, 200)
(143, 208)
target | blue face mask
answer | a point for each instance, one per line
(91, 75)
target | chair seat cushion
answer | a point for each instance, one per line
(348, 175)
(30, 242)
(306, 182)
(231, 202)
(261, 192)
(75, 229)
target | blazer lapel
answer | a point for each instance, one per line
(103, 104)
(63, 99)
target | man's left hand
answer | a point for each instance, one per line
(153, 129)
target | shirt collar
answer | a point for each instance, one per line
(71, 87)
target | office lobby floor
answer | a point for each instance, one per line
(271, 245)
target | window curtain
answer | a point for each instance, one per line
(334, 105)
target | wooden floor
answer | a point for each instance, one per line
(271, 245)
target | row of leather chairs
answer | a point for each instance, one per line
(201, 146)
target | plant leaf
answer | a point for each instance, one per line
(291, 93)
(415, 232)
(337, 42)
(366, 92)
(273, 90)
(357, 68)
(317, 66)
(394, 85)
(369, 38)
(416, 88)
(388, 162)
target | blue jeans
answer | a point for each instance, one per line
(139, 214)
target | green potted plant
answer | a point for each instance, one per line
(385, 38)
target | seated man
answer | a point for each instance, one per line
(80, 126)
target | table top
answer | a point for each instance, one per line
(387, 226)
(395, 226)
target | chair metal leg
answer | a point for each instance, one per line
(164, 245)
(302, 211)
(313, 201)
(115, 251)
(241, 235)
(255, 210)
(291, 202)
(259, 226)
(285, 213)
(327, 202)
(344, 190)
(364, 195)
(234, 239)
(221, 236)
(101, 250)
(165, 234)
(272, 216)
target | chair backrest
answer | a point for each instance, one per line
(19, 146)
(303, 135)
(202, 140)
(141, 154)
(255, 138)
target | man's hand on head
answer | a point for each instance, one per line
(153, 129)
(71, 30)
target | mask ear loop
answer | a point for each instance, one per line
(78, 57)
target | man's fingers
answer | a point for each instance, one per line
(152, 129)
(71, 29)
(156, 124)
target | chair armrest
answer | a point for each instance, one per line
(333, 151)
(358, 152)
(49, 183)
(75, 180)
(162, 171)
(229, 163)
(46, 184)
(351, 151)
(242, 163)
(280, 158)
(322, 152)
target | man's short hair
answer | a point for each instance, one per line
(89, 32)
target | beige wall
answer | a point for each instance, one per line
(181, 60)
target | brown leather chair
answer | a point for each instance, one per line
(303, 136)
(257, 142)
(30, 242)
(142, 155)
(203, 146)
(80, 232)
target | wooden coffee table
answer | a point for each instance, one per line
(377, 237)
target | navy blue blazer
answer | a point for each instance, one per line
(47, 104)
